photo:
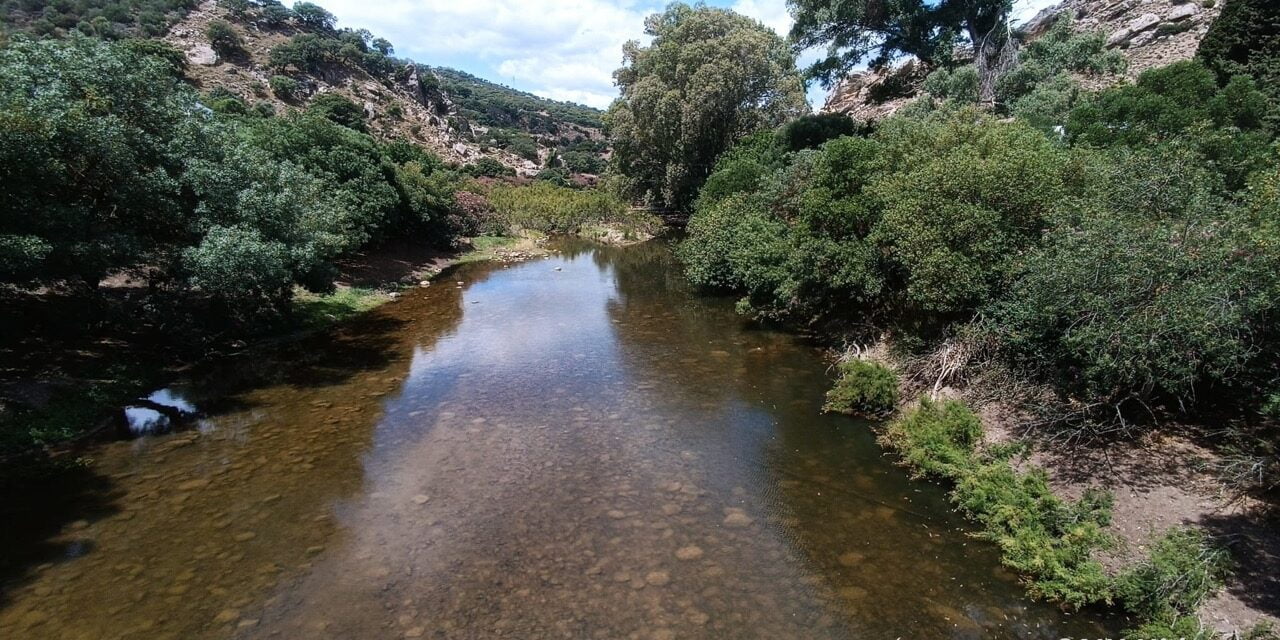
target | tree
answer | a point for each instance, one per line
(710, 78)
(339, 109)
(313, 16)
(1245, 39)
(93, 141)
(854, 31)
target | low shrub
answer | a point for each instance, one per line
(1040, 535)
(548, 208)
(1184, 568)
(284, 87)
(937, 438)
(865, 388)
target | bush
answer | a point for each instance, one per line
(338, 108)
(1039, 534)
(865, 388)
(284, 87)
(1182, 104)
(1245, 40)
(937, 438)
(1184, 568)
(549, 208)
(963, 195)
(1152, 288)
(810, 132)
(224, 39)
(487, 167)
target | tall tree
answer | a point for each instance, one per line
(877, 31)
(709, 78)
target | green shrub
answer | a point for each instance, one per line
(1245, 40)
(1182, 104)
(338, 108)
(810, 132)
(962, 197)
(937, 438)
(1184, 568)
(866, 388)
(1040, 535)
(548, 208)
(488, 167)
(224, 39)
(284, 87)
(1152, 288)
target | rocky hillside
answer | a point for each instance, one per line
(1149, 33)
(459, 116)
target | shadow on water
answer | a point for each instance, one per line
(40, 498)
(115, 539)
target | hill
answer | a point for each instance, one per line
(257, 54)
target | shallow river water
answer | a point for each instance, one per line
(575, 447)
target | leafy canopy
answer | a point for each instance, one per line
(709, 78)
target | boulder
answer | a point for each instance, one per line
(202, 54)
(1138, 25)
(1182, 12)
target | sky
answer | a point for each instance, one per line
(559, 49)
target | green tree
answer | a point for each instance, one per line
(338, 108)
(1245, 40)
(313, 16)
(709, 78)
(854, 31)
(93, 141)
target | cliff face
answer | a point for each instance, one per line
(1150, 33)
(398, 107)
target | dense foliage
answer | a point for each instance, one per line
(1041, 88)
(1059, 252)
(1245, 40)
(709, 78)
(863, 388)
(494, 105)
(113, 165)
(101, 18)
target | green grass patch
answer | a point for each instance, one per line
(1051, 541)
(864, 388)
(320, 310)
(552, 209)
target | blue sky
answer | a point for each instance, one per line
(561, 49)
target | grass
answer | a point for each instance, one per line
(72, 409)
(317, 310)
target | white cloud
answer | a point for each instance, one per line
(566, 49)
(773, 13)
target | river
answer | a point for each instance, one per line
(575, 447)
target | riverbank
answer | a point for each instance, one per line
(1158, 483)
(64, 379)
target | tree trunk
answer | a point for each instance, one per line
(994, 53)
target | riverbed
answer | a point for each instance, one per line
(574, 447)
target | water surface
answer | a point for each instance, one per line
(575, 447)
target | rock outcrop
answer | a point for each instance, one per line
(1150, 33)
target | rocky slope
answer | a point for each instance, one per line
(1149, 33)
(401, 106)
